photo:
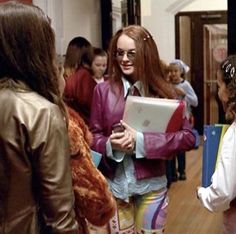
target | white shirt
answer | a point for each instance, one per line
(222, 191)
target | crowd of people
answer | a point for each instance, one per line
(53, 115)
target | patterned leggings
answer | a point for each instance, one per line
(144, 214)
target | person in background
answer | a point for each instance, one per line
(94, 203)
(177, 72)
(78, 92)
(78, 49)
(221, 194)
(36, 191)
(177, 76)
(165, 68)
(170, 166)
(134, 162)
(99, 64)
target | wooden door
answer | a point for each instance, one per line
(215, 51)
(195, 46)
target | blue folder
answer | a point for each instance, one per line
(213, 135)
(96, 157)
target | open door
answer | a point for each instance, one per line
(215, 51)
(190, 28)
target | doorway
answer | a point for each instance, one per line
(215, 51)
(194, 45)
(117, 14)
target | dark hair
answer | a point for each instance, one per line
(99, 52)
(27, 50)
(228, 70)
(148, 67)
(78, 53)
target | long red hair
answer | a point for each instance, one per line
(148, 66)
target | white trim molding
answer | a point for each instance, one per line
(178, 6)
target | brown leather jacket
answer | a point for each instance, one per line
(34, 150)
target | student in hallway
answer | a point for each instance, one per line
(134, 162)
(80, 84)
(94, 202)
(177, 76)
(221, 194)
(36, 193)
(99, 64)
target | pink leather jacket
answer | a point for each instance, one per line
(107, 109)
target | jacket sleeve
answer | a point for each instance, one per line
(96, 123)
(165, 145)
(91, 190)
(50, 151)
(90, 186)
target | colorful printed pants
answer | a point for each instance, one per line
(144, 214)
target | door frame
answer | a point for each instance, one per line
(198, 19)
(131, 15)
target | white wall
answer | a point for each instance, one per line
(206, 5)
(158, 17)
(82, 18)
(160, 23)
(72, 18)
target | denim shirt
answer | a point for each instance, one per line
(125, 184)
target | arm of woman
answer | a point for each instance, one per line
(90, 186)
(222, 191)
(50, 151)
(96, 123)
(93, 199)
(190, 97)
(164, 145)
(107, 138)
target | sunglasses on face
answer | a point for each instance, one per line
(130, 54)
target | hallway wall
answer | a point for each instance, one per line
(72, 18)
(159, 17)
(82, 18)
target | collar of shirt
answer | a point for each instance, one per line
(127, 86)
